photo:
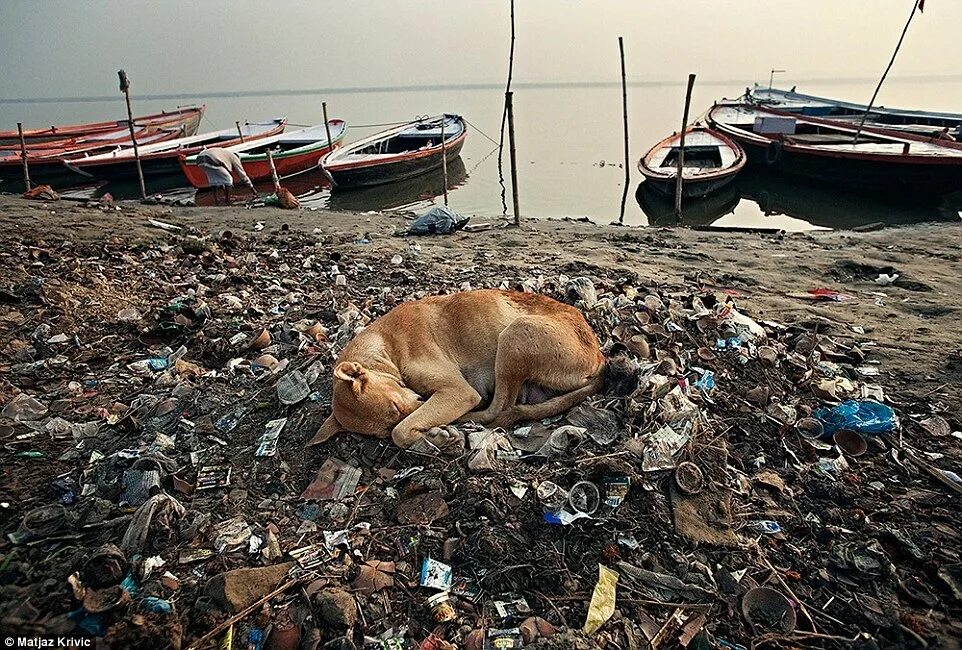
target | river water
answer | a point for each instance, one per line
(569, 143)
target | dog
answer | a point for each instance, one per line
(487, 356)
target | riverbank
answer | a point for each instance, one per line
(914, 324)
(161, 370)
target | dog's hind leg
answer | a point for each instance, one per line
(547, 351)
(549, 408)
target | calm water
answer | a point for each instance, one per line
(570, 150)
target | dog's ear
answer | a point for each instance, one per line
(351, 372)
(330, 428)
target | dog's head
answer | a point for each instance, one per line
(367, 402)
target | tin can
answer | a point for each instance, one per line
(441, 608)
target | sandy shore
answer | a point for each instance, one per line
(913, 325)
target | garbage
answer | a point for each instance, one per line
(439, 220)
(602, 604)
(767, 610)
(861, 416)
(171, 374)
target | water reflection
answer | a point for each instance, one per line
(410, 194)
(818, 205)
(660, 209)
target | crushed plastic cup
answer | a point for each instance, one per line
(293, 388)
(552, 496)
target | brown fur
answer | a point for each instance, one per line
(432, 362)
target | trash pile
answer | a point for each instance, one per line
(760, 488)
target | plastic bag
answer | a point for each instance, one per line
(861, 416)
(438, 221)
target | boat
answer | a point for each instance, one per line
(401, 152)
(711, 161)
(827, 151)
(189, 116)
(162, 158)
(293, 152)
(49, 166)
(790, 101)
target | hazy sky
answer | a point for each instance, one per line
(65, 48)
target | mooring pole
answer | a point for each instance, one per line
(679, 181)
(240, 133)
(270, 163)
(504, 117)
(514, 155)
(125, 89)
(624, 112)
(23, 157)
(327, 127)
(444, 160)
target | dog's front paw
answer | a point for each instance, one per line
(448, 439)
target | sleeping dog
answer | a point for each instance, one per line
(486, 356)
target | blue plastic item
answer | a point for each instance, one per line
(862, 416)
(156, 605)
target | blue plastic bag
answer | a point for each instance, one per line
(862, 416)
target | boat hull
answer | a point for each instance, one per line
(260, 169)
(62, 135)
(399, 169)
(691, 189)
(862, 172)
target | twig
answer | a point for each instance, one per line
(236, 617)
(778, 576)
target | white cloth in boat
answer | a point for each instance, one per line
(218, 163)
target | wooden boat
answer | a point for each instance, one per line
(414, 194)
(825, 150)
(293, 152)
(402, 152)
(48, 166)
(189, 116)
(711, 162)
(162, 158)
(790, 101)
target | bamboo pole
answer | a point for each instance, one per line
(240, 133)
(508, 101)
(23, 157)
(327, 127)
(624, 113)
(504, 116)
(444, 160)
(270, 163)
(125, 88)
(868, 109)
(679, 181)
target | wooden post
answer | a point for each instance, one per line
(514, 162)
(23, 157)
(444, 160)
(624, 112)
(125, 89)
(504, 117)
(270, 163)
(327, 127)
(679, 181)
(240, 133)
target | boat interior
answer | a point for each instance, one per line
(421, 136)
(701, 157)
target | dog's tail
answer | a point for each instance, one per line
(620, 377)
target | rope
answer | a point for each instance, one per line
(495, 142)
(213, 126)
(356, 126)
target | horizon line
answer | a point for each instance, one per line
(288, 92)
